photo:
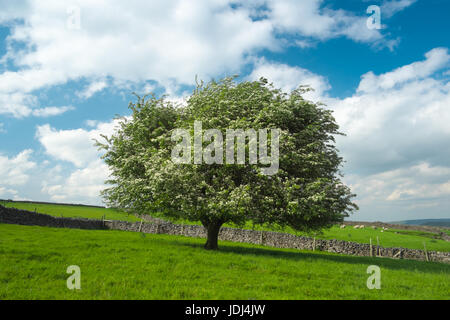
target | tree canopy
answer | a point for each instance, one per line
(305, 192)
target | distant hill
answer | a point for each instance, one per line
(425, 222)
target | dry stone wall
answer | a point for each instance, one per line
(267, 238)
(24, 217)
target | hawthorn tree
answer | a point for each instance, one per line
(306, 192)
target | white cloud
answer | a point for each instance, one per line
(166, 41)
(397, 143)
(51, 111)
(421, 181)
(24, 179)
(16, 88)
(413, 192)
(135, 41)
(17, 104)
(309, 19)
(16, 171)
(29, 79)
(288, 78)
(410, 190)
(91, 123)
(82, 186)
(75, 146)
(407, 105)
(92, 89)
(304, 43)
(436, 59)
(389, 8)
(12, 10)
(8, 193)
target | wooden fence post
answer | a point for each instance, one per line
(371, 249)
(314, 244)
(140, 226)
(378, 247)
(426, 252)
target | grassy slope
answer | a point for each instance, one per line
(405, 239)
(129, 265)
(72, 211)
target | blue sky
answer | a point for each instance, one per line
(68, 67)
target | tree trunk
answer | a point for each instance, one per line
(212, 229)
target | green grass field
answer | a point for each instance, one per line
(131, 265)
(389, 238)
(72, 211)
